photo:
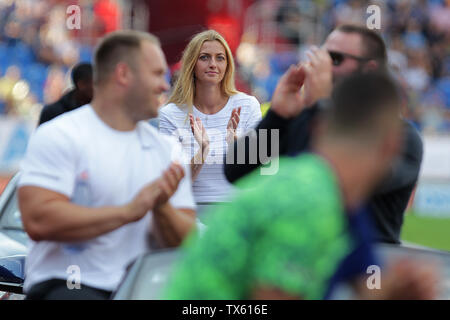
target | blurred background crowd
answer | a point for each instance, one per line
(37, 49)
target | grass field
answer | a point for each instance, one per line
(427, 231)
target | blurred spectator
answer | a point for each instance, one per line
(440, 17)
(416, 74)
(80, 95)
(13, 91)
(7, 83)
(396, 55)
(289, 20)
(54, 85)
(352, 11)
(413, 37)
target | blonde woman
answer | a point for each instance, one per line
(206, 113)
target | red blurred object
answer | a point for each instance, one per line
(109, 13)
(175, 67)
(174, 22)
(228, 27)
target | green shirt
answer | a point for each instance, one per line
(287, 232)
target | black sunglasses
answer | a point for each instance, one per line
(339, 57)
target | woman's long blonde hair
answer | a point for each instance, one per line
(184, 90)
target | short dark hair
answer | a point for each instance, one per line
(372, 41)
(361, 103)
(81, 72)
(116, 47)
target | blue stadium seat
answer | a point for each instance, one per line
(3, 51)
(36, 74)
(443, 86)
(22, 54)
(85, 54)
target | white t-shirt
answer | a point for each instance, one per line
(211, 184)
(79, 156)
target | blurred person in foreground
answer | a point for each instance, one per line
(80, 95)
(292, 244)
(351, 49)
(206, 113)
(99, 185)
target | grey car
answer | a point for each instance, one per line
(146, 278)
(13, 244)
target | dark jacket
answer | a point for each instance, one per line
(65, 104)
(388, 204)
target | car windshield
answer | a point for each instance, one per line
(10, 218)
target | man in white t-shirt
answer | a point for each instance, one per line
(99, 186)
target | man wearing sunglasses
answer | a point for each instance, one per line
(347, 50)
(339, 57)
(355, 49)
